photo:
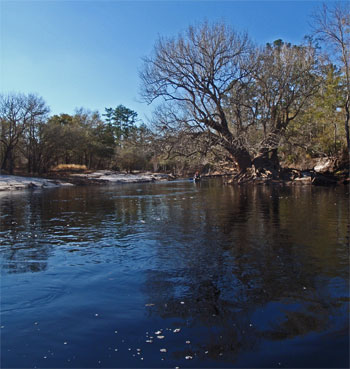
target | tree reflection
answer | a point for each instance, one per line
(249, 257)
(20, 228)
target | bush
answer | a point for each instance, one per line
(69, 168)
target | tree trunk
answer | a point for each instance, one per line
(7, 162)
(240, 155)
(267, 163)
(11, 162)
(4, 160)
(347, 119)
(243, 160)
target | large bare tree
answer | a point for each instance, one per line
(196, 71)
(221, 90)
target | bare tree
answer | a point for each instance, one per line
(19, 115)
(196, 71)
(332, 25)
(224, 93)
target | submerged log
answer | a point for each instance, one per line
(323, 180)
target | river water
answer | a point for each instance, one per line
(175, 274)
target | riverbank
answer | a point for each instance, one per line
(11, 182)
(290, 177)
(105, 177)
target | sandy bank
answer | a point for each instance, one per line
(108, 176)
(9, 182)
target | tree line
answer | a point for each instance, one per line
(35, 142)
(222, 99)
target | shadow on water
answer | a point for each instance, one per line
(233, 276)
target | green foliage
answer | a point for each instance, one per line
(137, 150)
(131, 159)
(121, 121)
(318, 131)
(83, 138)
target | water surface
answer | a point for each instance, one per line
(175, 274)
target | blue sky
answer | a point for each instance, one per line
(89, 53)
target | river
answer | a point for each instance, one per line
(175, 274)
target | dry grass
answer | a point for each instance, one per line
(69, 168)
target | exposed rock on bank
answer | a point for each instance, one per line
(8, 183)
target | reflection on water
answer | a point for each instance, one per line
(175, 274)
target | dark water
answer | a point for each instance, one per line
(175, 275)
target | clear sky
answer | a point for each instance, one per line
(89, 53)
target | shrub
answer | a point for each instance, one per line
(69, 168)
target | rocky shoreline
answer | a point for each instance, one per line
(291, 177)
(11, 182)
